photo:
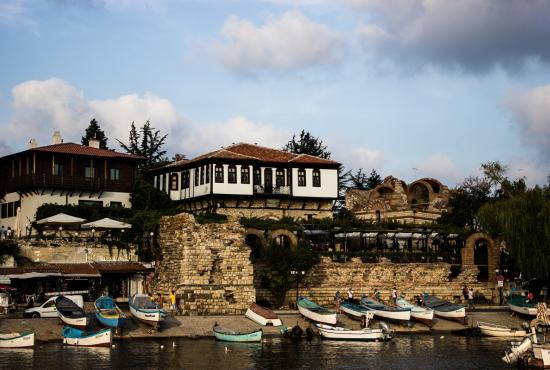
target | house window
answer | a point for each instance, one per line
(316, 181)
(289, 177)
(279, 177)
(115, 204)
(218, 175)
(11, 212)
(245, 175)
(232, 174)
(196, 176)
(115, 174)
(58, 169)
(301, 177)
(257, 176)
(185, 180)
(89, 172)
(207, 168)
(4, 210)
(161, 182)
(173, 181)
(202, 175)
(94, 203)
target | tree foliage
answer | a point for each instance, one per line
(94, 131)
(523, 222)
(360, 180)
(307, 144)
(147, 143)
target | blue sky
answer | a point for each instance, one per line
(412, 88)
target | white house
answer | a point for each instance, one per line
(251, 180)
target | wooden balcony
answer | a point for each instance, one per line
(76, 183)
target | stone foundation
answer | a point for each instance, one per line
(62, 251)
(410, 279)
(207, 264)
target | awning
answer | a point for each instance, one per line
(60, 219)
(370, 235)
(106, 223)
(389, 235)
(403, 235)
(33, 275)
(340, 235)
(418, 236)
(315, 232)
(353, 235)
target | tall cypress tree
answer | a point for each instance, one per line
(95, 132)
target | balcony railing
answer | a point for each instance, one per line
(65, 182)
(284, 190)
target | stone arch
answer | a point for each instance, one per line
(493, 253)
(293, 240)
(258, 233)
(383, 191)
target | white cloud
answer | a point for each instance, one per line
(531, 113)
(472, 35)
(237, 129)
(41, 107)
(288, 42)
(439, 167)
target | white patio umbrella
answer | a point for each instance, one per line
(17, 228)
(60, 219)
(106, 223)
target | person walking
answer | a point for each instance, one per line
(470, 298)
(337, 299)
(172, 299)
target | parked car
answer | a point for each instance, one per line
(47, 309)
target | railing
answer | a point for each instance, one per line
(65, 182)
(285, 190)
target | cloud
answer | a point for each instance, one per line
(439, 167)
(470, 35)
(238, 129)
(41, 107)
(288, 42)
(531, 113)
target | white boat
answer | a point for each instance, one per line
(313, 311)
(386, 312)
(76, 337)
(493, 330)
(357, 312)
(70, 313)
(541, 356)
(522, 305)
(424, 315)
(367, 334)
(16, 340)
(263, 316)
(145, 310)
(446, 309)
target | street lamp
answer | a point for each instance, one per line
(60, 230)
(299, 274)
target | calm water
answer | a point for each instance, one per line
(404, 352)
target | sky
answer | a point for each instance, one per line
(411, 88)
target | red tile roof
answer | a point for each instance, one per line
(78, 149)
(256, 153)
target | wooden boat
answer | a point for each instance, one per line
(446, 309)
(76, 337)
(313, 311)
(108, 313)
(522, 305)
(145, 310)
(228, 335)
(385, 311)
(493, 330)
(340, 333)
(357, 312)
(17, 340)
(263, 316)
(70, 313)
(421, 314)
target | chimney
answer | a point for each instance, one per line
(56, 138)
(93, 143)
(32, 143)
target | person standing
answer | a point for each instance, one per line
(172, 299)
(337, 299)
(465, 293)
(2, 233)
(376, 294)
(394, 296)
(470, 298)
(350, 295)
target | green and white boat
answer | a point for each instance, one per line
(522, 305)
(315, 312)
(228, 335)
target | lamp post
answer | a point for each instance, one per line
(299, 274)
(60, 230)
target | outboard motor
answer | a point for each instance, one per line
(388, 332)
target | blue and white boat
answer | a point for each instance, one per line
(77, 337)
(146, 311)
(387, 312)
(228, 335)
(315, 312)
(357, 312)
(108, 313)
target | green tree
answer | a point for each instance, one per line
(373, 180)
(146, 143)
(503, 187)
(307, 144)
(95, 132)
(523, 222)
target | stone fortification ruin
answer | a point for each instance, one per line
(208, 265)
(420, 202)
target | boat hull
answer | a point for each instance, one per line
(113, 323)
(17, 340)
(495, 332)
(314, 316)
(108, 314)
(526, 311)
(356, 314)
(102, 338)
(152, 318)
(367, 335)
(255, 336)
(418, 313)
(393, 315)
(79, 322)
(262, 320)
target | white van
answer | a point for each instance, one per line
(47, 309)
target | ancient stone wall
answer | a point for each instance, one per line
(410, 279)
(207, 264)
(63, 251)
